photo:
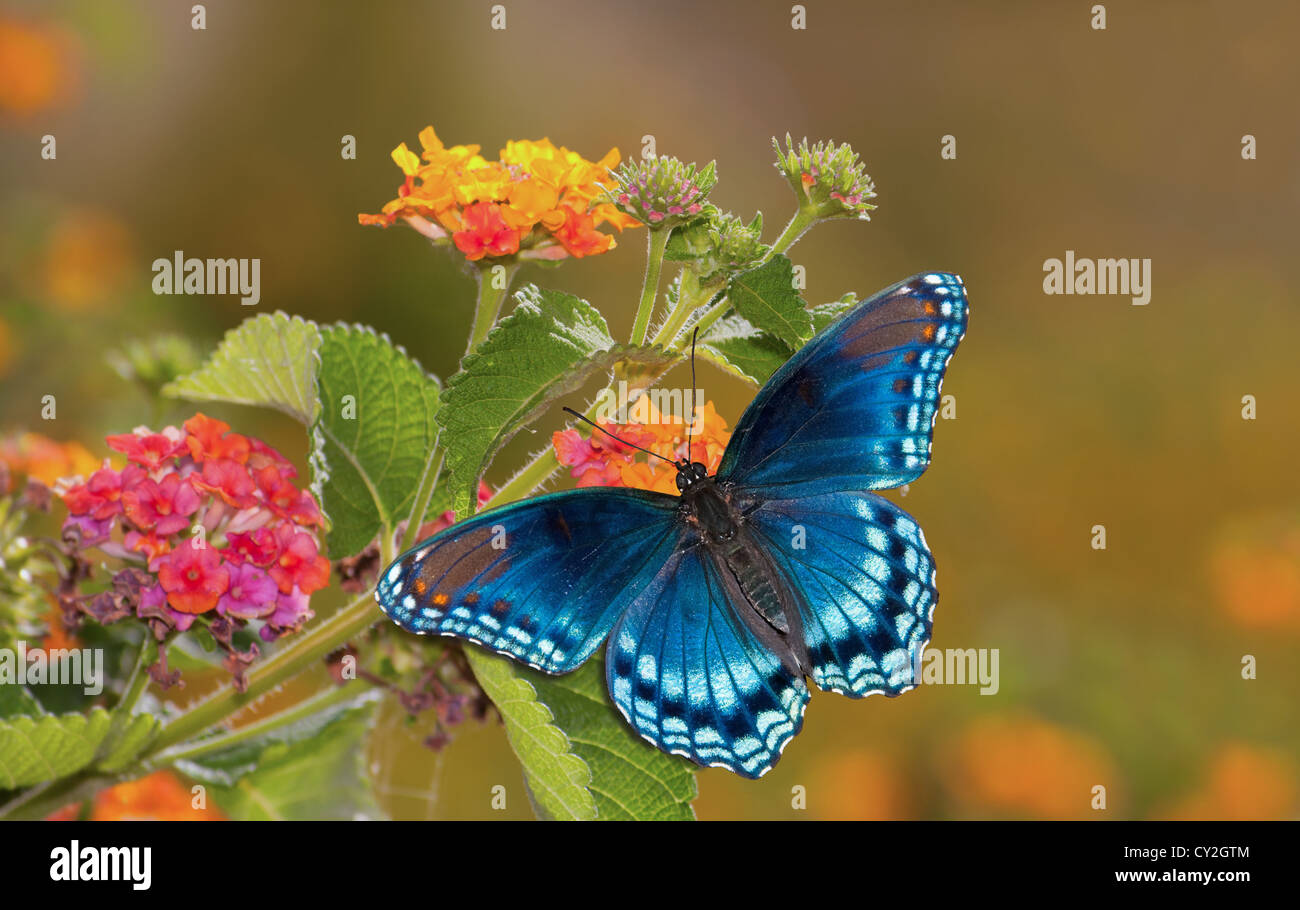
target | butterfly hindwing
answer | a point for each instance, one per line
(864, 579)
(691, 677)
(542, 580)
(854, 408)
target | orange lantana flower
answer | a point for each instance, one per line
(537, 200)
(601, 461)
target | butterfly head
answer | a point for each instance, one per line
(690, 473)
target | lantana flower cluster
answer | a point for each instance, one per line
(212, 526)
(600, 460)
(662, 192)
(537, 199)
(831, 180)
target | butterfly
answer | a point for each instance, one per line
(717, 604)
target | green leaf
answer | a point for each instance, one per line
(224, 767)
(547, 348)
(766, 297)
(630, 779)
(827, 313)
(321, 776)
(37, 749)
(557, 779)
(16, 700)
(269, 360)
(734, 345)
(374, 444)
(138, 732)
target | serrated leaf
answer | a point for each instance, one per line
(630, 779)
(319, 777)
(547, 348)
(37, 749)
(135, 735)
(557, 778)
(373, 446)
(16, 701)
(827, 313)
(766, 297)
(269, 360)
(224, 767)
(734, 345)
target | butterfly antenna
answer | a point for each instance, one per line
(612, 436)
(695, 405)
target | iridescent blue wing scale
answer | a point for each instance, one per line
(854, 409)
(693, 678)
(541, 581)
(864, 582)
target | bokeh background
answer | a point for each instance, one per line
(1119, 667)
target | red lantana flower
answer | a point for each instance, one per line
(163, 507)
(148, 449)
(485, 233)
(211, 438)
(194, 577)
(215, 518)
(299, 562)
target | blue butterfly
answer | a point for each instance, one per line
(718, 602)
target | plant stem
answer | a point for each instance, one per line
(303, 709)
(319, 640)
(538, 470)
(139, 679)
(428, 480)
(656, 243)
(798, 225)
(488, 303)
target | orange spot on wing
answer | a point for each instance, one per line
(440, 600)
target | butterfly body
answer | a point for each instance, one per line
(717, 604)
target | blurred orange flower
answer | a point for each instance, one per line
(87, 260)
(537, 200)
(858, 785)
(1244, 783)
(159, 797)
(1025, 767)
(601, 461)
(1255, 570)
(38, 68)
(41, 458)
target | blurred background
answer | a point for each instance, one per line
(1119, 667)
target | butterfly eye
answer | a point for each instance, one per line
(699, 470)
(682, 481)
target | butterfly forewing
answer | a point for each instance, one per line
(854, 408)
(542, 581)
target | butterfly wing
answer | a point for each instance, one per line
(542, 580)
(854, 408)
(696, 680)
(863, 578)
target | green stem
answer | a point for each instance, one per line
(311, 646)
(656, 243)
(533, 475)
(303, 709)
(692, 296)
(138, 681)
(488, 303)
(428, 480)
(799, 224)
